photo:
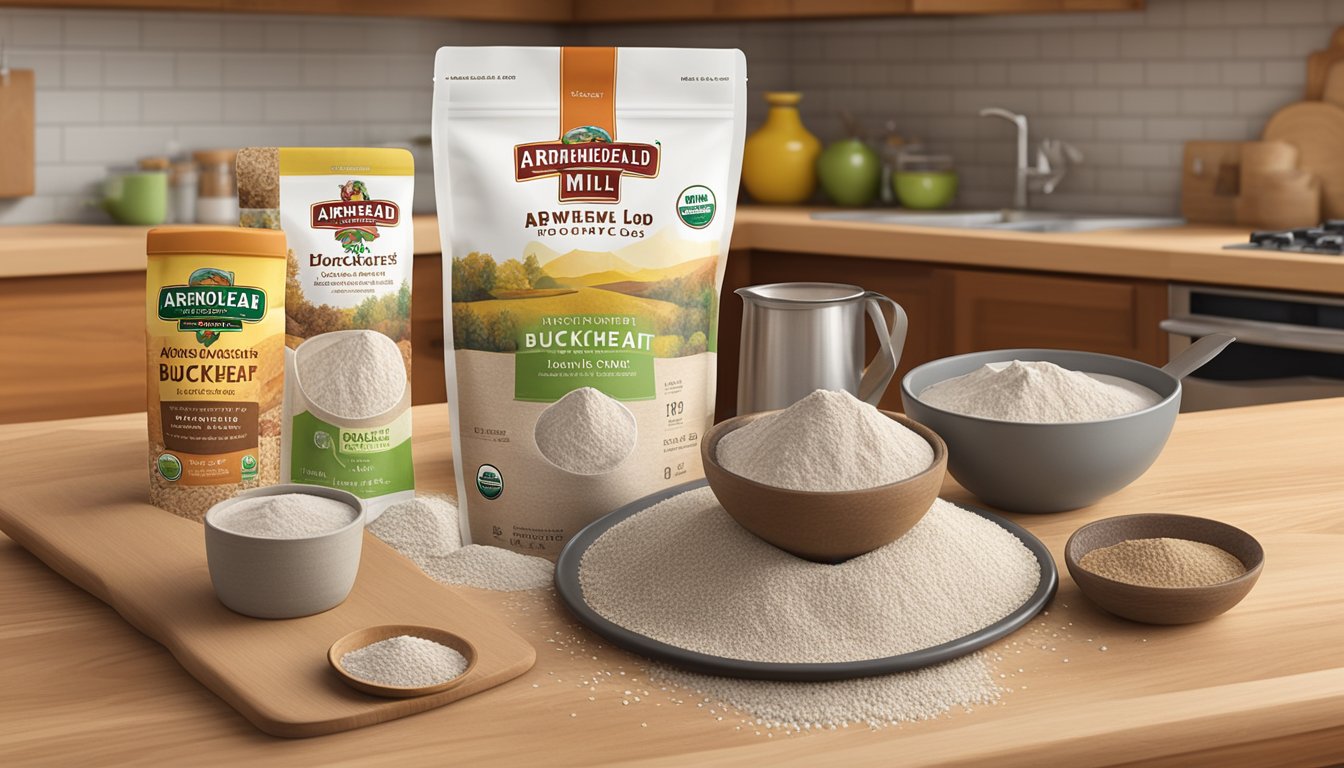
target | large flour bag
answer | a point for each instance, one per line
(586, 197)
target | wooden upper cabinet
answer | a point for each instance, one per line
(960, 7)
(587, 11)
(542, 11)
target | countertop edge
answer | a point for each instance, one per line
(1192, 253)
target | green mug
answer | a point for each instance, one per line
(139, 197)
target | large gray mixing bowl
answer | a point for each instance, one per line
(1046, 467)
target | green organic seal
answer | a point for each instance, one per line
(696, 206)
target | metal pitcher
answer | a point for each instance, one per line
(800, 337)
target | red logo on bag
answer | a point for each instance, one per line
(589, 164)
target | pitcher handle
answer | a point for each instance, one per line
(891, 340)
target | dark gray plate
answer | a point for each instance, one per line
(567, 584)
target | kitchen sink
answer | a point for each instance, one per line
(1006, 220)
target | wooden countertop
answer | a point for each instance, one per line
(1263, 684)
(1189, 253)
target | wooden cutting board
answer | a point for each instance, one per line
(1210, 181)
(96, 528)
(1317, 130)
(1320, 63)
(17, 150)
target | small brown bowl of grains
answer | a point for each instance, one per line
(1164, 569)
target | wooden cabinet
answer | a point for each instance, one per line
(1000, 310)
(71, 346)
(601, 11)
(987, 7)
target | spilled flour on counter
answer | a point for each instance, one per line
(425, 530)
(406, 661)
(828, 441)
(921, 694)
(1038, 392)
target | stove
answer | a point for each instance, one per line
(1327, 239)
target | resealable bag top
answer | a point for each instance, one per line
(586, 198)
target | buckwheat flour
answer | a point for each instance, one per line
(828, 441)
(405, 661)
(285, 516)
(1037, 392)
(683, 572)
(425, 530)
(1164, 562)
(586, 432)
(354, 375)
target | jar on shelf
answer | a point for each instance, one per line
(217, 187)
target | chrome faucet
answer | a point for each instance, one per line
(1053, 159)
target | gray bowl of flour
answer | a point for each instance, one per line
(1047, 467)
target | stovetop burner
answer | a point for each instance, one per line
(1327, 239)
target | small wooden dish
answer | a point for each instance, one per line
(1164, 605)
(370, 635)
(825, 526)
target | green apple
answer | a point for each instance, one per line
(850, 172)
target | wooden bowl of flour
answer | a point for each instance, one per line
(825, 526)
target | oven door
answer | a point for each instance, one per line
(1269, 363)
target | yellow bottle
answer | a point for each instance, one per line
(779, 161)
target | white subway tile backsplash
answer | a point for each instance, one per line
(121, 107)
(1120, 73)
(1169, 73)
(35, 29)
(124, 69)
(1242, 73)
(1127, 88)
(1286, 72)
(1172, 128)
(1150, 44)
(83, 69)
(47, 144)
(1206, 44)
(114, 145)
(1119, 128)
(1150, 101)
(263, 70)
(179, 32)
(66, 107)
(1096, 101)
(47, 66)
(182, 107)
(1208, 101)
(199, 70)
(101, 30)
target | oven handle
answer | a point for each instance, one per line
(1259, 332)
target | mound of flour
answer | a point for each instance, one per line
(1038, 392)
(425, 530)
(358, 376)
(828, 441)
(585, 432)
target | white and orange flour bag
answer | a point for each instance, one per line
(586, 198)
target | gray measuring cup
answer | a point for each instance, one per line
(800, 337)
